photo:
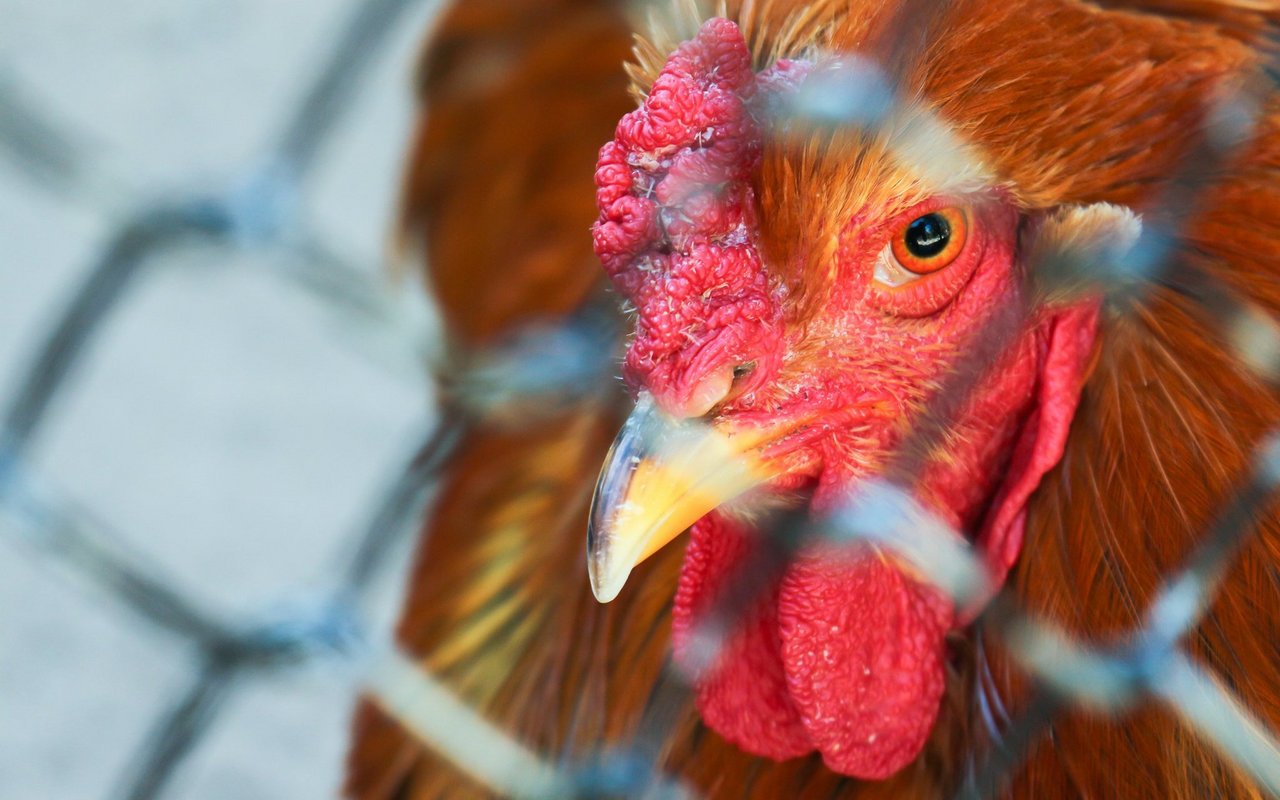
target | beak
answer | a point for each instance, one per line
(661, 476)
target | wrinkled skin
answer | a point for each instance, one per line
(846, 654)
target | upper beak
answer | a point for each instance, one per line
(661, 476)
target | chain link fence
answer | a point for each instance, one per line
(259, 212)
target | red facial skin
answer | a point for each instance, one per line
(846, 654)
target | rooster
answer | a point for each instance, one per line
(800, 296)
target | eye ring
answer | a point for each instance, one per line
(971, 225)
(931, 242)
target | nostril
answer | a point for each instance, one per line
(709, 392)
(741, 374)
(716, 388)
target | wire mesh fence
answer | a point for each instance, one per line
(258, 212)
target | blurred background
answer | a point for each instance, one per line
(231, 424)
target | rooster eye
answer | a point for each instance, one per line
(924, 246)
(927, 236)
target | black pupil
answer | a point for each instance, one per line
(928, 236)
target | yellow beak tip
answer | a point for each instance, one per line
(606, 590)
(604, 586)
(660, 477)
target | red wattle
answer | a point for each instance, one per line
(846, 656)
(744, 697)
(863, 647)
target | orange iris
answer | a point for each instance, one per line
(932, 241)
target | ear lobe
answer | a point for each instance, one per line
(1069, 357)
(1075, 250)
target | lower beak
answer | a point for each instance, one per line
(661, 476)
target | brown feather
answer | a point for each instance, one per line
(518, 96)
(1166, 427)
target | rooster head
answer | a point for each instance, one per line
(801, 306)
